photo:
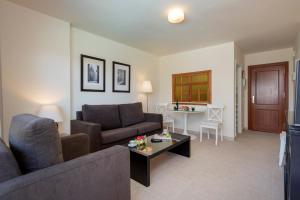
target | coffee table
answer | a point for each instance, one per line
(140, 160)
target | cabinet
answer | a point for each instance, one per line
(292, 166)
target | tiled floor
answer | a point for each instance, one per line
(245, 169)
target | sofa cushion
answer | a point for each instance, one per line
(8, 165)
(35, 142)
(106, 115)
(146, 127)
(131, 114)
(116, 135)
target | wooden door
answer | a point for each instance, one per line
(268, 97)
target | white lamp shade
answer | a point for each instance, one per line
(147, 87)
(51, 112)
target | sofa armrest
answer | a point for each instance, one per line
(154, 117)
(102, 175)
(92, 129)
(74, 146)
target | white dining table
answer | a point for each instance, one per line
(185, 119)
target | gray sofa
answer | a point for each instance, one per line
(35, 166)
(109, 125)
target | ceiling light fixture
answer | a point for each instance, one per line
(175, 15)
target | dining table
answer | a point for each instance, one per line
(185, 114)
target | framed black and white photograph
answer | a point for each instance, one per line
(92, 74)
(121, 77)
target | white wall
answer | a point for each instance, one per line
(239, 87)
(239, 55)
(274, 56)
(36, 51)
(219, 59)
(35, 61)
(297, 45)
(144, 66)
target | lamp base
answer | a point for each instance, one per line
(147, 103)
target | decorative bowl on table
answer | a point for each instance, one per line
(132, 144)
(184, 108)
(167, 135)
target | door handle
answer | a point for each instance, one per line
(253, 99)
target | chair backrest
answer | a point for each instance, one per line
(215, 112)
(162, 108)
(35, 142)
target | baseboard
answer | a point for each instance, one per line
(197, 134)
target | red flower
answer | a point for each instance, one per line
(140, 137)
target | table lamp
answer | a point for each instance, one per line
(51, 112)
(147, 89)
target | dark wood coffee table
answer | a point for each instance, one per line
(140, 160)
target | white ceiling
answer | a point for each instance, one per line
(255, 25)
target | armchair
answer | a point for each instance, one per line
(41, 165)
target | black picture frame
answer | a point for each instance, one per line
(82, 86)
(127, 69)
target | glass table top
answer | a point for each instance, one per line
(153, 148)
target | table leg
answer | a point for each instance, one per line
(185, 115)
(185, 132)
(183, 149)
(140, 168)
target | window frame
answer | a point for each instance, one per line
(190, 84)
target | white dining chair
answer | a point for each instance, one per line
(214, 121)
(162, 108)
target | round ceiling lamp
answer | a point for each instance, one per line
(175, 15)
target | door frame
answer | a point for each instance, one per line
(286, 88)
